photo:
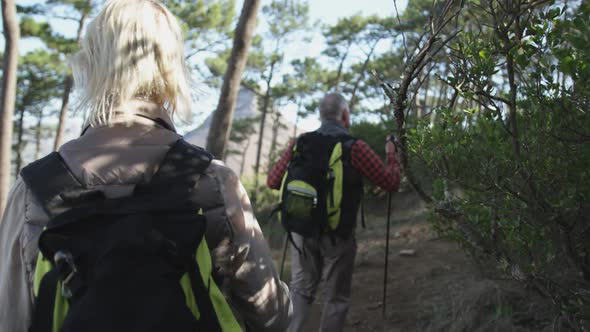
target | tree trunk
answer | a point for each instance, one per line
(38, 135)
(273, 143)
(19, 140)
(296, 124)
(265, 105)
(243, 161)
(11, 36)
(223, 117)
(432, 118)
(336, 83)
(65, 98)
(442, 94)
(353, 98)
(417, 104)
(425, 105)
(512, 99)
(225, 154)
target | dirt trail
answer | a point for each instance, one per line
(437, 289)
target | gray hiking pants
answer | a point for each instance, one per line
(331, 263)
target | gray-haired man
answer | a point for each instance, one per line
(327, 257)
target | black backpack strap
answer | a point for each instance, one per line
(180, 170)
(48, 179)
(346, 156)
(347, 143)
(42, 320)
(301, 140)
(183, 161)
(208, 320)
(43, 315)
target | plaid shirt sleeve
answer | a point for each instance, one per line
(275, 176)
(368, 163)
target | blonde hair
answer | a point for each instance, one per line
(133, 49)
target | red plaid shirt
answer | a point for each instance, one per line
(363, 159)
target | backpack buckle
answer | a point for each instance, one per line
(63, 261)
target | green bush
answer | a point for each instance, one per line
(511, 181)
(266, 200)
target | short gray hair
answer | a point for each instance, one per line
(332, 106)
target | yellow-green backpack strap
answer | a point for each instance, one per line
(41, 268)
(336, 171)
(191, 302)
(224, 313)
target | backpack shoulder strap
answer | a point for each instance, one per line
(303, 140)
(180, 170)
(316, 139)
(306, 136)
(347, 143)
(48, 178)
(182, 161)
(182, 166)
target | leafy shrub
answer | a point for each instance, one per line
(511, 177)
(266, 200)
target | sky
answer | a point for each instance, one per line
(330, 10)
(324, 11)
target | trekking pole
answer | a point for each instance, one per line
(393, 139)
(284, 255)
(386, 255)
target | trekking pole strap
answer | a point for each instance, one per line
(299, 250)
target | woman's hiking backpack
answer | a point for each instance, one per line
(312, 187)
(135, 264)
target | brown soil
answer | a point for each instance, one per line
(439, 288)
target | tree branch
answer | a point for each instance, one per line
(399, 22)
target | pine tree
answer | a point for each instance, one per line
(11, 36)
(39, 82)
(285, 18)
(69, 10)
(223, 115)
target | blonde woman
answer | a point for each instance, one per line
(131, 78)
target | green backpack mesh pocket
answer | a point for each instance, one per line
(301, 199)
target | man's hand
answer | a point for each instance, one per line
(390, 146)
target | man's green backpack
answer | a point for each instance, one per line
(312, 187)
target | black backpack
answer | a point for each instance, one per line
(136, 263)
(312, 187)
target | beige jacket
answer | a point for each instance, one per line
(114, 159)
